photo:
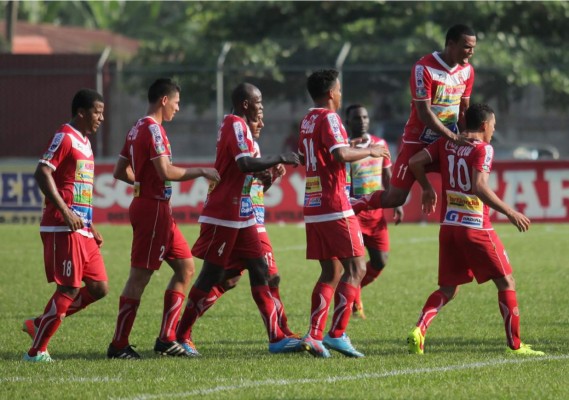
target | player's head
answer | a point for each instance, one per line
(324, 86)
(87, 109)
(357, 120)
(247, 101)
(460, 42)
(480, 118)
(256, 126)
(165, 93)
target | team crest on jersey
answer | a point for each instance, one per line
(57, 139)
(335, 124)
(240, 136)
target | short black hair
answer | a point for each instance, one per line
(456, 31)
(352, 107)
(162, 87)
(243, 91)
(320, 82)
(85, 98)
(476, 115)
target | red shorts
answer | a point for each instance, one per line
(70, 257)
(374, 229)
(156, 236)
(267, 254)
(466, 253)
(224, 246)
(340, 239)
(402, 177)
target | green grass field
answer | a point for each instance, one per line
(464, 348)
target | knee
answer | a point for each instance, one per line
(449, 291)
(100, 290)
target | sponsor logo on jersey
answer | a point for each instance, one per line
(470, 220)
(83, 193)
(259, 215)
(451, 216)
(167, 191)
(159, 146)
(257, 192)
(85, 171)
(428, 136)
(57, 139)
(489, 151)
(464, 202)
(312, 201)
(313, 184)
(419, 72)
(83, 212)
(245, 207)
(308, 124)
(335, 125)
(240, 136)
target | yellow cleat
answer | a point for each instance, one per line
(416, 341)
(358, 309)
(524, 350)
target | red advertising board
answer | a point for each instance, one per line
(538, 189)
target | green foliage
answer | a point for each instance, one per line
(464, 347)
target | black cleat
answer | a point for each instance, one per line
(172, 348)
(126, 353)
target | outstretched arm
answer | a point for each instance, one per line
(252, 164)
(431, 121)
(169, 172)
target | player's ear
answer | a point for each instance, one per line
(164, 100)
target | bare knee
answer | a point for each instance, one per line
(505, 283)
(97, 290)
(449, 291)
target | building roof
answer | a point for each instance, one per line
(52, 39)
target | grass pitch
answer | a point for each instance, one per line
(464, 347)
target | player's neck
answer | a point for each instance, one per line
(477, 135)
(447, 59)
(75, 125)
(155, 115)
(328, 105)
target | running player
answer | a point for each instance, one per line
(468, 245)
(332, 230)
(71, 243)
(146, 163)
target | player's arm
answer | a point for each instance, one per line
(347, 154)
(123, 171)
(398, 212)
(464, 104)
(482, 190)
(97, 235)
(169, 172)
(252, 164)
(428, 117)
(417, 165)
(49, 189)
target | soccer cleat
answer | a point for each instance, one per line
(286, 345)
(41, 357)
(524, 350)
(190, 347)
(172, 348)
(294, 336)
(314, 347)
(126, 353)
(343, 345)
(30, 328)
(358, 309)
(416, 341)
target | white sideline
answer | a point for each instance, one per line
(341, 378)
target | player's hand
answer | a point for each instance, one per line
(72, 220)
(378, 150)
(461, 140)
(279, 170)
(290, 158)
(398, 215)
(266, 177)
(429, 201)
(211, 174)
(519, 220)
(97, 236)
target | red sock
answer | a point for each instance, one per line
(125, 321)
(267, 308)
(321, 297)
(173, 302)
(509, 310)
(282, 320)
(434, 303)
(50, 320)
(198, 303)
(343, 302)
(371, 274)
(82, 300)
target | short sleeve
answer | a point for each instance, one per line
(58, 149)
(240, 141)
(158, 140)
(420, 83)
(333, 132)
(483, 158)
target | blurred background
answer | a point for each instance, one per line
(49, 49)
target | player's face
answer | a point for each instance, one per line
(93, 117)
(358, 122)
(489, 127)
(256, 126)
(171, 106)
(463, 49)
(337, 95)
(254, 106)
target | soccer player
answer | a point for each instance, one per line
(368, 175)
(468, 245)
(146, 163)
(440, 86)
(262, 181)
(70, 241)
(228, 226)
(332, 230)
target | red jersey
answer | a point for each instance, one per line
(71, 158)
(228, 203)
(146, 141)
(459, 205)
(326, 195)
(433, 80)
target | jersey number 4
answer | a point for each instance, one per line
(310, 158)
